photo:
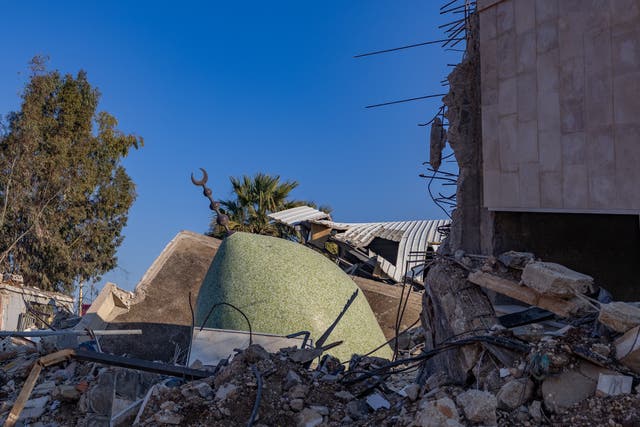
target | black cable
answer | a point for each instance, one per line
(193, 325)
(234, 307)
(256, 405)
(503, 342)
(388, 341)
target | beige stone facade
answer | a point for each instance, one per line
(561, 105)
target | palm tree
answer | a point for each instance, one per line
(256, 198)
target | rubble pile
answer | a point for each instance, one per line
(575, 361)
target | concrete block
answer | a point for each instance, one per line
(548, 97)
(491, 188)
(598, 15)
(627, 194)
(525, 16)
(478, 406)
(575, 187)
(565, 7)
(507, 96)
(547, 36)
(600, 150)
(572, 87)
(526, 55)
(626, 98)
(508, 141)
(546, 10)
(572, 78)
(557, 280)
(488, 29)
(490, 146)
(570, 35)
(490, 129)
(628, 349)
(627, 145)
(597, 50)
(515, 393)
(526, 97)
(570, 387)
(602, 189)
(548, 69)
(509, 190)
(548, 110)
(626, 52)
(507, 55)
(489, 72)
(551, 190)
(574, 149)
(529, 185)
(598, 99)
(571, 115)
(627, 170)
(528, 142)
(505, 17)
(600, 157)
(619, 316)
(624, 14)
(550, 150)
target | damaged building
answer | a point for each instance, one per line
(518, 311)
(543, 120)
(385, 250)
(25, 307)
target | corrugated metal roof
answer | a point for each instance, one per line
(295, 216)
(412, 236)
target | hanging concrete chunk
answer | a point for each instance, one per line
(556, 280)
(283, 287)
(436, 143)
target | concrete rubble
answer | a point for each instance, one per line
(489, 363)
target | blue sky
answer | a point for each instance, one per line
(242, 87)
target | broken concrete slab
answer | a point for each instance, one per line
(628, 349)
(34, 408)
(309, 418)
(283, 287)
(513, 259)
(479, 406)
(553, 279)
(619, 316)
(377, 401)
(515, 393)
(435, 413)
(613, 385)
(559, 392)
(561, 307)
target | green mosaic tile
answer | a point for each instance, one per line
(284, 287)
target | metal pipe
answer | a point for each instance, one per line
(46, 333)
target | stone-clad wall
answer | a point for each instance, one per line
(561, 105)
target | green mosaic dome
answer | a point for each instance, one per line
(284, 287)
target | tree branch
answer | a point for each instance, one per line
(24, 233)
(6, 192)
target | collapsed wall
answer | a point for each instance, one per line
(160, 303)
(453, 306)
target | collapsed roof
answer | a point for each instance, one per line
(376, 238)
